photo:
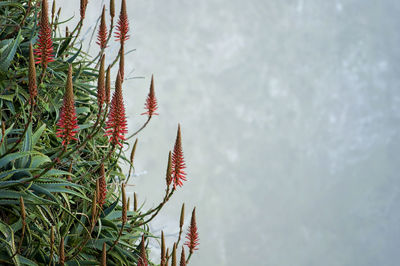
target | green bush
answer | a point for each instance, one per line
(62, 189)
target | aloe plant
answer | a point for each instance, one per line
(62, 139)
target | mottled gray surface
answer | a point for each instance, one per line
(290, 113)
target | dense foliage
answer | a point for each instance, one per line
(63, 136)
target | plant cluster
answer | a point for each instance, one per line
(63, 137)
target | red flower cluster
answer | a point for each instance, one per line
(151, 101)
(142, 260)
(123, 24)
(178, 162)
(192, 235)
(102, 34)
(44, 50)
(68, 124)
(116, 125)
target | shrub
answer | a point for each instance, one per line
(63, 137)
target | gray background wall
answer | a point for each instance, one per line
(290, 114)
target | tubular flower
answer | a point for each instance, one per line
(101, 85)
(44, 50)
(102, 186)
(108, 85)
(68, 125)
(142, 260)
(83, 8)
(192, 235)
(102, 34)
(116, 125)
(32, 87)
(151, 101)
(123, 24)
(178, 162)
(122, 62)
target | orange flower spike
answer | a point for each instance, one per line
(44, 50)
(68, 123)
(151, 101)
(123, 25)
(102, 33)
(116, 125)
(192, 235)
(178, 162)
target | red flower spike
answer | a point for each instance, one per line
(102, 186)
(183, 258)
(122, 62)
(32, 87)
(102, 34)
(178, 162)
(123, 24)
(116, 125)
(142, 260)
(68, 124)
(192, 235)
(44, 50)
(101, 90)
(151, 101)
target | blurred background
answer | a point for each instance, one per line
(290, 114)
